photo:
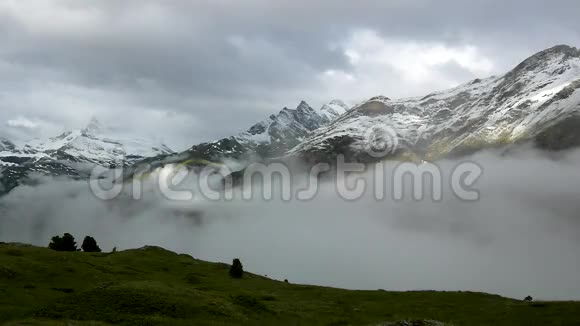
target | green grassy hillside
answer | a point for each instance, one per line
(153, 286)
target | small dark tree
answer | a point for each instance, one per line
(90, 245)
(55, 243)
(66, 243)
(237, 269)
(528, 299)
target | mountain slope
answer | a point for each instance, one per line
(540, 93)
(155, 286)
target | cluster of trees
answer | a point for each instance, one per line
(67, 243)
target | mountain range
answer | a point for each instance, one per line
(73, 154)
(537, 102)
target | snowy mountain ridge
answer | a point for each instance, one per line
(541, 92)
(73, 153)
(273, 136)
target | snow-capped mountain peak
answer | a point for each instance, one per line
(289, 125)
(333, 109)
(72, 153)
(557, 55)
(93, 144)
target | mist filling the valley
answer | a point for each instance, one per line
(520, 238)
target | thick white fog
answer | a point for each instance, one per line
(522, 237)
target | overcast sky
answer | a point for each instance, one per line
(190, 71)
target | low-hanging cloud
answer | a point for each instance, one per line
(520, 238)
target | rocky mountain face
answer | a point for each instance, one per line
(537, 102)
(6, 145)
(73, 153)
(277, 134)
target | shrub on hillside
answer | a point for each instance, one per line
(64, 243)
(237, 269)
(90, 245)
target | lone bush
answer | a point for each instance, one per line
(90, 245)
(237, 269)
(64, 243)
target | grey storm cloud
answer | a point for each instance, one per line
(190, 71)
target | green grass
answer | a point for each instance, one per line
(153, 286)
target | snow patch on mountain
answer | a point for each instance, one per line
(73, 153)
(333, 109)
